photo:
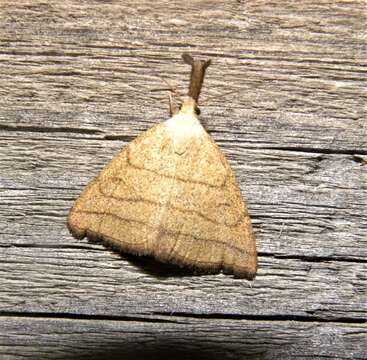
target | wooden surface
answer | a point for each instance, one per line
(76, 81)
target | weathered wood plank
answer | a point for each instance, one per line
(76, 75)
(302, 204)
(96, 281)
(298, 83)
(178, 338)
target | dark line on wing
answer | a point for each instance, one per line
(190, 211)
(91, 235)
(173, 176)
(165, 231)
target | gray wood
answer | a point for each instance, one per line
(178, 338)
(98, 282)
(285, 98)
(302, 204)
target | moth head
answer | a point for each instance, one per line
(189, 107)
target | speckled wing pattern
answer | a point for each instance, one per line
(177, 201)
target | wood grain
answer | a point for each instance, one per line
(302, 204)
(284, 97)
(176, 337)
(93, 281)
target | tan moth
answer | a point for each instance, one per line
(171, 194)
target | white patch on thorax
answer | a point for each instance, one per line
(183, 128)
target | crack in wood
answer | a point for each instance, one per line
(166, 317)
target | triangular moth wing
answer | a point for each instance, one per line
(171, 194)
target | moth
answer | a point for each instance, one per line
(171, 194)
